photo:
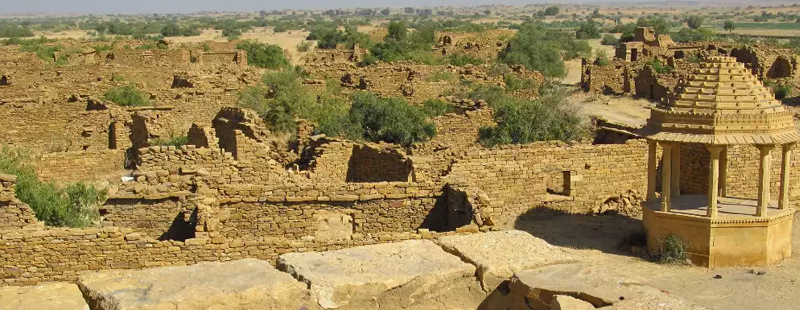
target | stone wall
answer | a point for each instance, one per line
(81, 166)
(39, 255)
(516, 178)
(13, 213)
(743, 170)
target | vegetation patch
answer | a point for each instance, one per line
(539, 48)
(672, 250)
(263, 55)
(74, 205)
(127, 96)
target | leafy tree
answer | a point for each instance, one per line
(521, 121)
(409, 10)
(660, 24)
(386, 12)
(542, 49)
(390, 119)
(397, 31)
(263, 55)
(609, 39)
(551, 11)
(729, 26)
(588, 30)
(694, 22)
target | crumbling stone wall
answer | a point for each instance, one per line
(378, 163)
(155, 218)
(81, 166)
(13, 213)
(520, 174)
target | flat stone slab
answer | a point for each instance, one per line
(47, 296)
(236, 285)
(415, 274)
(541, 287)
(498, 255)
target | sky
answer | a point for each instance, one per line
(189, 6)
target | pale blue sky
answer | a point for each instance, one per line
(188, 6)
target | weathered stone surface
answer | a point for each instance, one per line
(498, 255)
(243, 284)
(564, 302)
(540, 285)
(414, 274)
(59, 295)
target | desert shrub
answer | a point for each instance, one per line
(436, 107)
(73, 206)
(8, 30)
(263, 55)
(781, 91)
(498, 69)
(672, 250)
(304, 46)
(520, 121)
(101, 47)
(464, 59)
(279, 101)
(609, 39)
(693, 35)
(328, 36)
(390, 119)
(206, 47)
(175, 140)
(658, 67)
(127, 95)
(542, 49)
(516, 83)
(333, 86)
(602, 59)
(440, 75)
(588, 30)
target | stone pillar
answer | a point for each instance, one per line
(652, 166)
(765, 155)
(675, 188)
(713, 179)
(786, 166)
(666, 179)
(723, 172)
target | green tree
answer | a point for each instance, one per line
(660, 24)
(391, 119)
(551, 11)
(588, 30)
(263, 55)
(542, 49)
(397, 31)
(386, 12)
(695, 22)
(728, 26)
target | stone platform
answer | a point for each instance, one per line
(736, 237)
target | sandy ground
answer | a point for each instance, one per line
(596, 239)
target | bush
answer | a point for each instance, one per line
(464, 59)
(263, 55)
(695, 22)
(658, 67)
(73, 206)
(672, 250)
(521, 121)
(8, 30)
(436, 107)
(441, 75)
(283, 99)
(127, 96)
(609, 39)
(781, 91)
(516, 83)
(304, 46)
(602, 59)
(542, 49)
(176, 141)
(390, 119)
(588, 30)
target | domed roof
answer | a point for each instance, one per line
(721, 103)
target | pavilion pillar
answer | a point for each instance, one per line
(786, 165)
(675, 188)
(666, 178)
(765, 155)
(713, 179)
(652, 166)
(723, 172)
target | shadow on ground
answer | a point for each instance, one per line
(608, 233)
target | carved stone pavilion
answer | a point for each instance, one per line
(719, 105)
